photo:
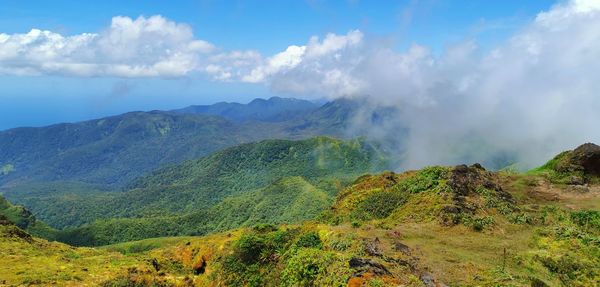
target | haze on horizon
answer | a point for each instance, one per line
(511, 76)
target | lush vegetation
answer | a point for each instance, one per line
(282, 212)
(459, 225)
(289, 200)
(273, 181)
(113, 151)
(23, 219)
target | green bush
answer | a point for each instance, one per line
(429, 178)
(249, 248)
(589, 219)
(309, 240)
(478, 223)
(379, 205)
(309, 267)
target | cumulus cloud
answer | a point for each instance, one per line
(139, 47)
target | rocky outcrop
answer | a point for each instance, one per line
(367, 266)
(466, 184)
(585, 158)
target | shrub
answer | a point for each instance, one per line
(589, 219)
(249, 248)
(379, 205)
(478, 223)
(309, 240)
(429, 178)
(309, 267)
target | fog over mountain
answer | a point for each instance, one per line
(523, 100)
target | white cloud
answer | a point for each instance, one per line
(315, 68)
(532, 96)
(142, 47)
(287, 59)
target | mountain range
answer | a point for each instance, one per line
(149, 168)
(113, 151)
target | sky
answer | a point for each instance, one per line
(64, 61)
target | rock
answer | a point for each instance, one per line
(390, 177)
(200, 266)
(16, 232)
(155, 264)
(587, 156)
(429, 281)
(466, 183)
(372, 247)
(477, 166)
(401, 247)
(580, 188)
(576, 180)
(4, 220)
(367, 266)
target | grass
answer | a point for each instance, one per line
(49, 263)
(558, 242)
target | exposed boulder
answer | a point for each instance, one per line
(200, 266)
(367, 266)
(401, 247)
(586, 158)
(13, 231)
(372, 248)
(430, 281)
(468, 183)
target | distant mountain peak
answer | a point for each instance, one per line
(274, 109)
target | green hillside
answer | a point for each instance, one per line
(272, 181)
(439, 226)
(289, 200)
(23, 219)
(113, 150)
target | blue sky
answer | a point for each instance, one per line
(265, 27)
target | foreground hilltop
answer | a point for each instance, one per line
(439, 226)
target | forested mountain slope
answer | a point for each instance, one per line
(194, 197)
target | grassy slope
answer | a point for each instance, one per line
(403, 223)
(33, 261)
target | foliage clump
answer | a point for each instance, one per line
(379, 205)
(284, 257)
(428, 179)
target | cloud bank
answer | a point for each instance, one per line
(526, 99)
